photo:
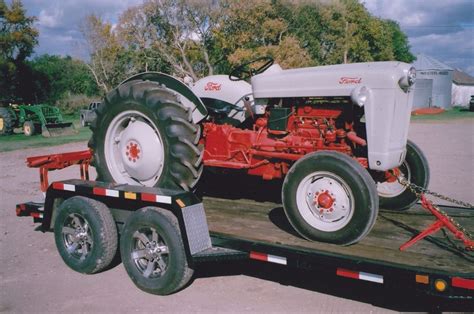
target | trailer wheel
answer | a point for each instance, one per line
(144, 136)
(415, 169)
(153, 252)
(29, 128)
(6, 121)
(85, 234)
(330, 197)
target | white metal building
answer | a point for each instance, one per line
(441, 75)
(463, 88)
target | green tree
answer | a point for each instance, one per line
(401, 48)
(18, 37)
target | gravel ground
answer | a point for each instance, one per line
(33, 277)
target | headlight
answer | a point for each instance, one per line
(360, 95)
(408, 78)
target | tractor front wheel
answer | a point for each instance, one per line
(29, 128)
(395, 196)
(144, 136)
(330, 197)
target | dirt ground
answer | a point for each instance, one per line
(33, 277)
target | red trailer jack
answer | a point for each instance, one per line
(442, 221)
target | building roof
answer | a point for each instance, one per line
(424, 62)
(461, 78)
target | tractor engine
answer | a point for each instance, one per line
(288, 130)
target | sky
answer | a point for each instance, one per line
(443, 29)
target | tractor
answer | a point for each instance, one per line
(335, 135)
(34, 119)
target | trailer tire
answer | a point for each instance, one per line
(29, 128)
(7, 121)
(85, 234)
(148, 117)
(416, 170)
(329, 197)
(153, 253)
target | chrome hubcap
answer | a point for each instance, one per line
(325, 201)
(77, 236)
(149, 253)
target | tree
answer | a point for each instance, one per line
(401, 48)
(18, 38)
(106, 53)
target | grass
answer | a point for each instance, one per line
(452, 114)
(20, 141)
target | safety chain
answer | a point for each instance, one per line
(418, 191)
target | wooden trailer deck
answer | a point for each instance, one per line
(265, 222)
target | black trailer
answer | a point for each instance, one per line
(165, 235)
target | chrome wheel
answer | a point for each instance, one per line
(325, 201)
(134, 149)
(77, 236)
(392, 187)
(149, 253)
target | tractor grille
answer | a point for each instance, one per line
(196, 228)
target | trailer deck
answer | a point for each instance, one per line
(264, 223)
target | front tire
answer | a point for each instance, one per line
(144, 136)
(415, 169)
(330, 197)
(152, 251)
(29, 128)
(85, 234)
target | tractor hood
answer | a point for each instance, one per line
(332, 80)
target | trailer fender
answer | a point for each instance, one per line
(187, 96)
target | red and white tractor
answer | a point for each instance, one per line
(337, 135)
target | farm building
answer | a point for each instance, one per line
(434, 83)
(463, 88)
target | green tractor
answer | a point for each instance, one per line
(34, 119)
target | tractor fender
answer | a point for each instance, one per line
(187, 97)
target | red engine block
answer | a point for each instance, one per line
(268, 153)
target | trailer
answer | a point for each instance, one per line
(166, 234)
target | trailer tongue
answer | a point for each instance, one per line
(166, 234)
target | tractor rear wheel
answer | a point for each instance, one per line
(393, 195)
(330, 197)
(143, 135)
(6, 121)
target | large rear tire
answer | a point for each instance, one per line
(143, 135)
(393, 195)
(330, 197)
(6, 121)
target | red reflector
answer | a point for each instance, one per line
(98, 191)
(347, 273)
(463, 283)
(35, 215)
(58, 186)
(148, 197)
(258, 256)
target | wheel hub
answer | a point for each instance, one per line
(326, 203)
(324, 200)
(141, 151)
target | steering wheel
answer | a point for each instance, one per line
(245, 71)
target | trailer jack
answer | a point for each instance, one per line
(442, 221)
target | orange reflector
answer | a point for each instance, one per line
(440, 285)
(180, 203)
(130, 195)
(422, 279)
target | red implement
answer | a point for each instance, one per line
(60, 161)
(442, 221)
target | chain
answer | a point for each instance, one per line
(418, 190)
